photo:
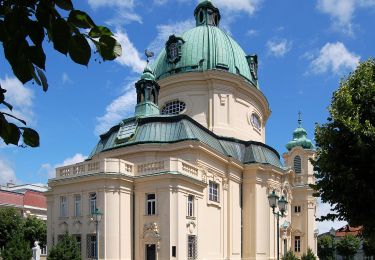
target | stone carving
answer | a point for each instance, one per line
(151, 234)
(225, 184)
(191, 227)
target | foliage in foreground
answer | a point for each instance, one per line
(326, 247)
(290, 256)
(66, 249)
(17, 249)
(24, 25)
(348, 246)
(309, 256)
(345, 162)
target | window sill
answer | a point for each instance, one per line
(190, 217)
(214, 203)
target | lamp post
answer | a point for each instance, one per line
(281, 203)
(97, 217)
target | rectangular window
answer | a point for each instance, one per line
(297, 244)
(190, 206)
(174, 251)
(297, 209)
(77, 205)
(91, 246)
(192, 247)
(92, 200)
(150, 204)
(63, 206)
(213, 191)
(79, 241)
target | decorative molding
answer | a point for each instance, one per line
(225, 183)
(151, 234)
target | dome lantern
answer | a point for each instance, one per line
(207, 14)
(300, 137)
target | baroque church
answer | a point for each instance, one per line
(190, 176)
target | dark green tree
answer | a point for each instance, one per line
(17, 249)
(345, 162)
(66, 249)
(289, 256)
(326, 247)
(348, 246)
(11, 223)
(369, 246)
(309, 256)
(35, 229)
(24, 25)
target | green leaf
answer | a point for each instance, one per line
(30, 137)
(8, 105)
(36, 32)
(2, 31)
(43, 79)
(64, 4)
(79, 49)
(37, 56)
(12, 116)
(99, 31)
(10, 133)
(109, 48)
(81, 19)
(61, 35)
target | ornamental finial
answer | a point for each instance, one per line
(299, 119)
(148, 54)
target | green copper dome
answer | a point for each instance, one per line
(148, 74)
(300, 138)
(205, 47)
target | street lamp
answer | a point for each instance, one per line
(97, 217)
(281, 203)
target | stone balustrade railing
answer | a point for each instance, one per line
(114, 166)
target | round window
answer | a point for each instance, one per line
(255, 121)
(173, 108)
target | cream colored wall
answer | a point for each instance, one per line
(303, 223)
(222, 103)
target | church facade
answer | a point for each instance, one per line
(189, 175)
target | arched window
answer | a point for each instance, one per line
(173, 108)
(255, 121)
(297, 164)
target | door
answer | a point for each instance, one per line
(151, 252)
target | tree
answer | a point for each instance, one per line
(23, 27)
(10, 223)
(289, 256)
(17, 249)
(309, 256)
(345, 162)
(326, 247)
(348, 246)
(66, 249)
(369, 246)
(35, 229)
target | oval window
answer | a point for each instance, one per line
(173, 108)
(255, 121)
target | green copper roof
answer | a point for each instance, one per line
(300, 138)
(171, 129)
(148, 74)
(205, 47)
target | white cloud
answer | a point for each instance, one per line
(247, 6)
(336, 58)
(124, 16)
(50, 170)
(7, 173)
(279, 48)
(65, 79)
(119, 109)
(165, 30)
(342, 12)
(325, 226)
(130, 56)
(252, 32)
(20, 97)
(111, 3)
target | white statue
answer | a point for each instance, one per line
(36, 251)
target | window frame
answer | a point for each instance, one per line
(63, 206)
(91, 246)
(297, 160)
(190, 206)
(297, 209)
(77, 205)
(93, 202)
(173, 107)
(213, 191)
(191, 247)
(150, 204)
(297, 244)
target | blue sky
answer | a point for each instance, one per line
(304, 49)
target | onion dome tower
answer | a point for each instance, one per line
(300, 138)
